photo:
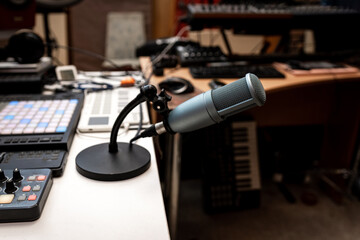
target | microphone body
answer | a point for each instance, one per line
(216, 105)
(212, 107)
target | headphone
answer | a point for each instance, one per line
(24, 46)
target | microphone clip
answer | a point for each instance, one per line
(160, 103)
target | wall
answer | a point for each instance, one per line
(88, 28)
(240, 44)
(164, 22)
(58, 29)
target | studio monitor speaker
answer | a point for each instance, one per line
(55, 4)
(17, 14)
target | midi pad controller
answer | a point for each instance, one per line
(23, 194)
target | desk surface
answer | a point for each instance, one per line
(81, 208)
(270, 85)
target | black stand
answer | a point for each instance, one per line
(120, 161)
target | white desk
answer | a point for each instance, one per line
(81, 208)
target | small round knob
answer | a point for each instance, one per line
(149, 91)
(10, 186)
(17, 175)
(3, 178)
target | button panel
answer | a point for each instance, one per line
(23, 200)
(53, 159)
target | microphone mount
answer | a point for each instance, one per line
(147, 93)
(119, 161)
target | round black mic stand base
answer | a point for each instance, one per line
(96, 162)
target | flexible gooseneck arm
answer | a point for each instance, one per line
(147, 93)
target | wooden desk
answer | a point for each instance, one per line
(291, 101)
(270, 85)
(328, 100)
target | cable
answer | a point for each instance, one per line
(140, 121)
(81, 134)
(147, 79)
(89, 53)
(166, 49)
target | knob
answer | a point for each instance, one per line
(17, 175)
(10, 186)
(3, 178)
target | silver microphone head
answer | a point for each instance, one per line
(240, 95)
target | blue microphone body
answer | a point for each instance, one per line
(216, 105)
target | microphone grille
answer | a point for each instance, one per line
(258, 88)
(231, 94)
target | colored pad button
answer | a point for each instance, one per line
(36, 188)
(22, 197)
(6, 198)
(32, 197)
(32, 178)
(26, 188)
(41, 178)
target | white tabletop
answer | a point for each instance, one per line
(81, 208)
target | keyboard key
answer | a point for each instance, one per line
(61, 129)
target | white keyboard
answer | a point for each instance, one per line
(102, 108)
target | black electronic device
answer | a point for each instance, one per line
(39, 122)
(36, 131)
(235, 71)
(196, 55)
(166, 61)
(23, 194)
(176, 85)
(23, 68)
(52, 159)
(156, 46)
(19, 83)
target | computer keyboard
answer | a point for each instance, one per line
(235, 71)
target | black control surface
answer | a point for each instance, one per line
(52, 159)
(192, 56)
(235, 71)
(23, 193)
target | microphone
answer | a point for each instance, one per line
(211, 107)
